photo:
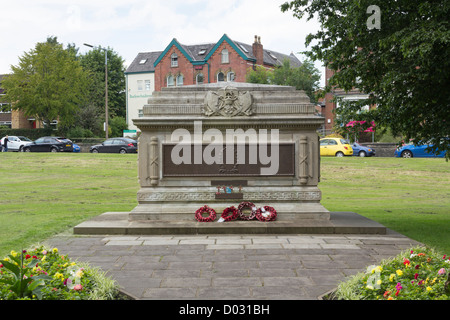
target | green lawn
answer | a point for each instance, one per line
(410, 196)
(45, 194)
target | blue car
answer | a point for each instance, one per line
(361, 151)
(76, 148)
(410, 150)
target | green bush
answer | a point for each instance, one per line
(41, 273)
(420, 273)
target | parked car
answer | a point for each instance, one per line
(410, 151)
(362, 151)
(16, 143)
(335, 147)
(76, 148)
(50, 144)
(116, 145)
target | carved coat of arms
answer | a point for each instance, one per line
(228, 102)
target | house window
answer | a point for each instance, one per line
(174, 60)
(230, 76)
(220, 77)
(170, 82)
(140, 85)
(147, 85)
(225, 58)
(199, 78)
(179, 80)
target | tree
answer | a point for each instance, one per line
(94, 61)
(396, 51)
(48, 83)
(306, 77)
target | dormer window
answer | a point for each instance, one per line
(225, 57)
(143, 61)
(174, 60)
(202, 52)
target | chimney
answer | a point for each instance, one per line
(258, 52)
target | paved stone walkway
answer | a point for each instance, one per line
(231, 267)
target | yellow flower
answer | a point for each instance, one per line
(369, 287)
(390, 298)
(59, 275)
(13, 253)
(391, 277)
(379, 282)
(429, 289)
(377, 269)
(399, 272)
(43, 258)
(55, 250)
(79, 273)
(6, 259)
(73, 264)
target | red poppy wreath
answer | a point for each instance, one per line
(205, 209)
(245, 205)
(229, 214)
(266, 213)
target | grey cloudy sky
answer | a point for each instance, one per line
(132, 26)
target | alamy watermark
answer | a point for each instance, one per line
(374, 21)
(258, 144)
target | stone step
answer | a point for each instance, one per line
(118, 223)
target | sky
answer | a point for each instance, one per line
(133, 26)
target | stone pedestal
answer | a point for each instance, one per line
(265, 135)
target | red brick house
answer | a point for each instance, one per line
(329, 106)
(225, 60)
(180, 64)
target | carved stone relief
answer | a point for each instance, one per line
(228, 102)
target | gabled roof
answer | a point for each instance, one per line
(198, 54)
(144, 62)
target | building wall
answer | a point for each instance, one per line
(164, 69)
(236, 64)
(137, 96)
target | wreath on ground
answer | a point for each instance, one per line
(245, 205)
(230, 214)
(266, 213)
(205, 209)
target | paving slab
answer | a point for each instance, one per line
(241, 267)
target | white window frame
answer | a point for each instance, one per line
(140, 85)
(170, 83)
(180, 80)
(174, 60)
(225, 56)
(147, 85)
(231, 76)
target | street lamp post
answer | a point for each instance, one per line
(106, 86)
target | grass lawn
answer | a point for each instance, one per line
(42, 194)
(410, 196)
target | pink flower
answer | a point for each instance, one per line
(78, 287)
(441, 272)
(416, 276)
(398, 286)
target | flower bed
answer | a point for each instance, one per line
(44, 274)
(417, 274)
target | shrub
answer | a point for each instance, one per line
(420, 273)
(43, 274)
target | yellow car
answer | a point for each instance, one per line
(335, 147)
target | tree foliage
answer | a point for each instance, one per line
(306, 77)
(94, 62)
(402, 65)
(48, 83)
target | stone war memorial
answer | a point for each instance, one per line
(228, 158)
